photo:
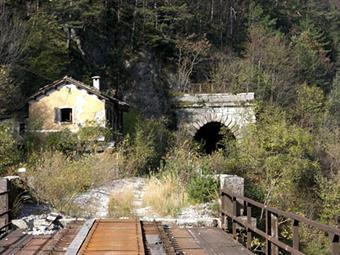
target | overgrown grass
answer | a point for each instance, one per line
(166, 195)
(57, 180)
(121, 204)
(182, 180)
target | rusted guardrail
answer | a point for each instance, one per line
(232, 206)
(4, 205)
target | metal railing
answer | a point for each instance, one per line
(233, 206)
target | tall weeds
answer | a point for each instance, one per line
(121, 204)
(166, 195)
(56, 179)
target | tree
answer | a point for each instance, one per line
(12, 37)
(312, 56)
(190, 52)
(267, 68)
(270, 55)
(276, 157)
(46, 55)
(334, 99)
(9, 92)
(310, 111)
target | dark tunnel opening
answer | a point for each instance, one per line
(211, 136)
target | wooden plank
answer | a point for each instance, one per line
(215, 241)
(80, 238)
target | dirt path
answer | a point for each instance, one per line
(95, 202)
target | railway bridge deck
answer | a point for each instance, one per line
(243, 220)
(125, 237)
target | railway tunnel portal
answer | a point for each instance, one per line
(209, 118)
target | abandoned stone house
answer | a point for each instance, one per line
(68, 103)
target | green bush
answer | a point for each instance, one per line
(86, 139)
(202, 189)
(90, 134)
(64, 141)
(278, 157)
(9, 153)
(144, 146)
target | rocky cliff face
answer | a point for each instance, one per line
(149, 86)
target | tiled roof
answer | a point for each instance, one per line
(67, 79)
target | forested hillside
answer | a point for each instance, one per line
(287, 52)
(270, 47)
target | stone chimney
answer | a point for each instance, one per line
(96, 82)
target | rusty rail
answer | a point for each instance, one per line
(111, 236)
(230, 209)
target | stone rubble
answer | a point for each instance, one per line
(43, 224)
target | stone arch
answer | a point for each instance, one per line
(225, 120)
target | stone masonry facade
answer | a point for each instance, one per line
(235, 111)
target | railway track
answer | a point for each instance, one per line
(18, 243)
(124, 237)
(114, 237)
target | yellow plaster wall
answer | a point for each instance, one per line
(85, 107)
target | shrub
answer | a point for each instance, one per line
(121, 204)
(9, 153)
(143, 146)
(278, 157)
(182, 159)
(166, 194)
(64, 141)
(202, 189)
(90, 135)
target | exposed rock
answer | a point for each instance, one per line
(44, 224)
(148, 86)
(232, 183)
(20, 223)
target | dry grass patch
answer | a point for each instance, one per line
(121, 204)
(165, 195)
(57, 180)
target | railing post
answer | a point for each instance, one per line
(268, 232)
(4, 220)
(296, 235)
(222, 219)
(249, 233)
(227, 202)
(335, 245)
(223, 208)
(234, 214)
(274, 233)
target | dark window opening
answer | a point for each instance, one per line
(211, 136)
(66, 115)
